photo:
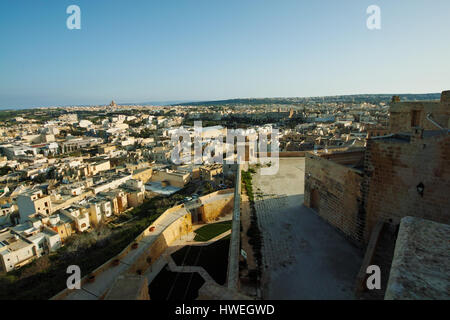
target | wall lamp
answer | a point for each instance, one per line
(420, 188)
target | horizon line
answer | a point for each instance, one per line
(169, 103)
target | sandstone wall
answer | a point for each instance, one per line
(143, 175)
(334, 192)
(178, 228)
(394, 170)
(401, 115)
(213, 209)
(386, 188)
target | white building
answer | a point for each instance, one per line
(14, 151)
(44, 239)
(15, 251)
(32, 202)
(23, 243)
(85, 124)
(80, 216)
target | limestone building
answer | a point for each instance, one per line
(33, 202)
(405, 173)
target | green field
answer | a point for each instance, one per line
(212, 230)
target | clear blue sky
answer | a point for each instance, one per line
(143, 50)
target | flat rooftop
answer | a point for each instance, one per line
(157, 187)
(8, 239)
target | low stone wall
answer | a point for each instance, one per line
(421, 264)
(235, 241)
(178, 228)
(213, 209)
(172, 232)
(158, 246)
(287, 154)
(301, 154)
(129, 288)
(144, 174)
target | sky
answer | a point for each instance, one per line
(186, 50)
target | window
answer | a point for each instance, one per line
(415, 118)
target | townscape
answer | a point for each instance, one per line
(80, 184)
(223, 159)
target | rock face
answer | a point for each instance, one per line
(421, 264)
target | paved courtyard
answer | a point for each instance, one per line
(303, 256)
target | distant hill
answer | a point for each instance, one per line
(156, 103)
(372, 98)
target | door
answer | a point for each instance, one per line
(315, 200)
